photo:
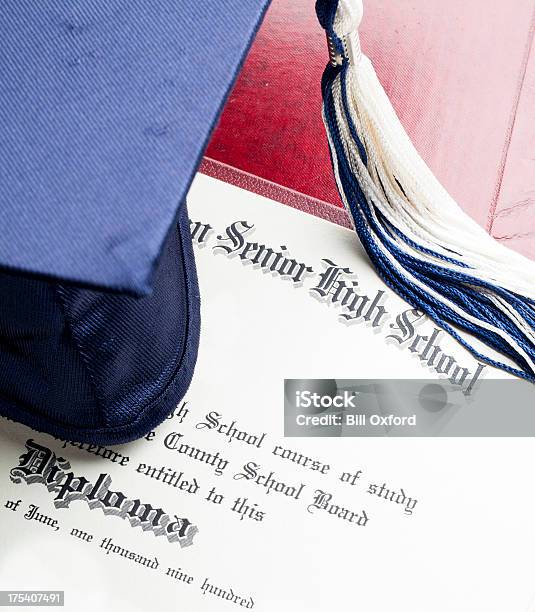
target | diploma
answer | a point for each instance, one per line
(218, 510)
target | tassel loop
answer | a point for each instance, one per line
(345, 25)
(348, 17)
(341, 20)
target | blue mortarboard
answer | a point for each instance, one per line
(105, 109)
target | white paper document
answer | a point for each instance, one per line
(217, 511)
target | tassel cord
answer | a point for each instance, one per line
(487, 271)
(415, 295)
(485, 252)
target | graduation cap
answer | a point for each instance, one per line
(105, 110)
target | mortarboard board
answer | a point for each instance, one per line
(105, 108)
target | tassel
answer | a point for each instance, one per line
(424, 247)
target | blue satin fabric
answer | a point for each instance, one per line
(96, 366)
(105, 109)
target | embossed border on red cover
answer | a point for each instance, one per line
(281, 194)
